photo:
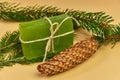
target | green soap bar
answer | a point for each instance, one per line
(40, 29)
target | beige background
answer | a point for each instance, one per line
(104, 65)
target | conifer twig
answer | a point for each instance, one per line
(10, 45)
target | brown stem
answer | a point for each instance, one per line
(113, 37)
(12, 44)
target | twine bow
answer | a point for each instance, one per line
(50, 42)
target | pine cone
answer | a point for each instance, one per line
(69, 58)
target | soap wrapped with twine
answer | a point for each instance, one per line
(58, 36)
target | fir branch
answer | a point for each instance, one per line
(9, 59)
(13, 12)
(90, 21)
(112, 35)
(113, 31)
(10, 42)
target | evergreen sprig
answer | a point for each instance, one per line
(10, 49)
(112, 35)
(113, 31)
(13, 12)
(8, 59)
(90, 21)
(10, 42)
